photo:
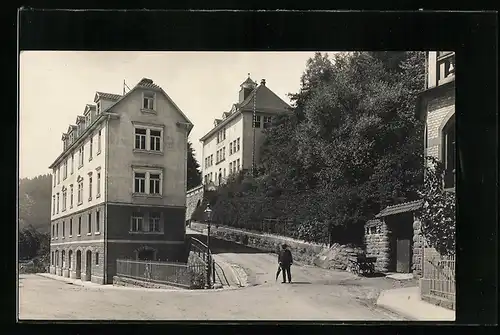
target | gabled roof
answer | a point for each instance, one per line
(148, 83)
(265, 101)
(88, 108)
(80, 119)
(248, 82)
(107, 96)
(64, 136)
(71, 128)
(400, 208)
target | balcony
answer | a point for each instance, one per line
(445, 67)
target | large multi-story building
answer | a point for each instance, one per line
(120, 184)
(233, 144)
(437, 108)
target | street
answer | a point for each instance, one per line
(315, 294)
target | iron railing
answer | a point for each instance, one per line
(204, 256)
(440, 271)
(176, 274)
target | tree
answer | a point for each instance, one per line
(193, 168)
(34, 202)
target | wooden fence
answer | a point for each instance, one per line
(438, 274)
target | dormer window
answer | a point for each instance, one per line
(98, 108)
(87, 120)
(148, 101)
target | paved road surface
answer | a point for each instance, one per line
(44, 298)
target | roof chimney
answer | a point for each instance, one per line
(263, 82)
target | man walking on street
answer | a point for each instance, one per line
(285, 261)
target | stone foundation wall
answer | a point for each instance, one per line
(123, 281)
(417, 250)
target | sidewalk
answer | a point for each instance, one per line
(406, 302)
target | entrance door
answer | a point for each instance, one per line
(78, 267)
(403, 256)
(88, 265)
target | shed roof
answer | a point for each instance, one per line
(400, 208)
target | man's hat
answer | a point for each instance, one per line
(284, 246)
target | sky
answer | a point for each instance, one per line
(55, 86)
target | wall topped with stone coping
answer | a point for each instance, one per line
(129, 282)
(335, 257)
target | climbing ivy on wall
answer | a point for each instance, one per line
(438, 220)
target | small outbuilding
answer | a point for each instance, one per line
(390, 237)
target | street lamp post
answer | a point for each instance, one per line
(208, 213)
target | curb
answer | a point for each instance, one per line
(391, 310)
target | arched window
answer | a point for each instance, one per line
(63, 253)
(448, 153)
(57, 257)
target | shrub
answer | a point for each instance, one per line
(198, 280)
(244, 239)
(437, 215)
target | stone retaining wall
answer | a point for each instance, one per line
(335, 257)
(377, 243)
(129, 282)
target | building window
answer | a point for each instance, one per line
(72, 163)
(148, 182)
(89, 223)
(256, 121)
(154, 183)
(155, 140)
(57, 257)
(98, 186)
(97, 221)
(64, 199)
(448, 145)
(70, 227)
(52, 258)
(80, 156)
(238, 164)
(139, 182)
(70, 258)
(99, 137)
(96, 258)
(53, 230)
(211, 159)
(90, 187)
(63, 229)
(63, 254)
(65, 169)
(238, 144)
(223, 153)
(53, 205)
(98, 107)
(58, 175)
(267, 122)
(231, 167)
(80, 192)
(217, 158)
(71, 196)
(140, 138)
(57, 229)
(148, 100)
(79, 225)
(57, 203)
(154, 222)
(137, 220)
(230, 148)
(54, 174)
(91, 141)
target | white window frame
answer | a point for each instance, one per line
(65, 169)
(91, 140)
(57, 203)
(58, 175)
(148, 138)
(70, 227)
(80, 193)
(238, 144)
(64, 199)
(158, 223)
(150, 101)
(98, 184)
(256, 120)
(79, 226)
(147, 172)
(158, 183)
(90, 186)
(98, 108)
(81, 153)
(99, 140)
(141, 136)
(134, 219)
(89, 223)
(54, 204)
(72, 163)
(71, 195)
(97, 222)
